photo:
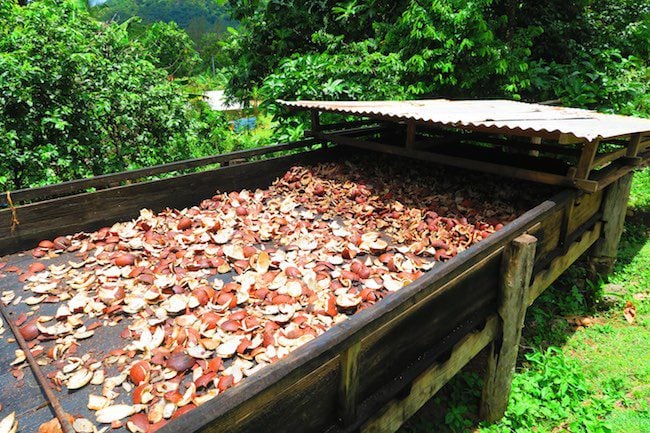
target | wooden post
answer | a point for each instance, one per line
(315, 121)
(634, 145)
(349, 384)
(603, 254)
(410, 135)
(516, 272)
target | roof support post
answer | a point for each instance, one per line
(315, 122)
(410, 135)
(634, 145)
(586, 160)
(516, 271)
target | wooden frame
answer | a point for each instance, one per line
(425, 333)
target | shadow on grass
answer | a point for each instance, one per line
(550, 322)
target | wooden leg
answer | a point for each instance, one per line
(603, 254)
(516, 272)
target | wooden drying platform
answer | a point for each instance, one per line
(373, 371)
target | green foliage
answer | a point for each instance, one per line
(553, 389)
(203, 21)
(640, 194)
(356, 71)
(171, 49)
(588, 53)
(271, 31)
(79, 98)
(450, 48)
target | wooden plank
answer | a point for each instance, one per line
(605, 158)
(603, 255)
(89, 211)
(583, 207)
(548, 235)
(297, 402)
(516, 271)
(396, 412)
(508, 142)
(586, 161)
(113, 179)
(512, 156)
(535, 176)
(349, 383)
(544, 278)
(614, 171)
(346, 125)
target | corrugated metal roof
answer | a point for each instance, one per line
(500, 116)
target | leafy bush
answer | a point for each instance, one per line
(79, 98)
(587, 53)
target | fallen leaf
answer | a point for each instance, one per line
(629, 312)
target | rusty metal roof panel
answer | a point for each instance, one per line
(500, 116)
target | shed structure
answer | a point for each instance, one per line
(554, 145)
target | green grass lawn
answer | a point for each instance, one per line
(570, 377)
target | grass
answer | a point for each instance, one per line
(640, 198)
(572, 377)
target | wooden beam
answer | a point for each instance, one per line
(113, 179)
(349, 384)
(560, 264)
(425, 386)
(472, 164)
(508, 142)
(603, 255)
(516, 270)
(605, 158)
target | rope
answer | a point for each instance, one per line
(14, 217)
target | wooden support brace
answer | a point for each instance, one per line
(586, 160)
(603, 254)
(349, 384)
(516, 271)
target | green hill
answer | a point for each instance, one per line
(196, 17)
